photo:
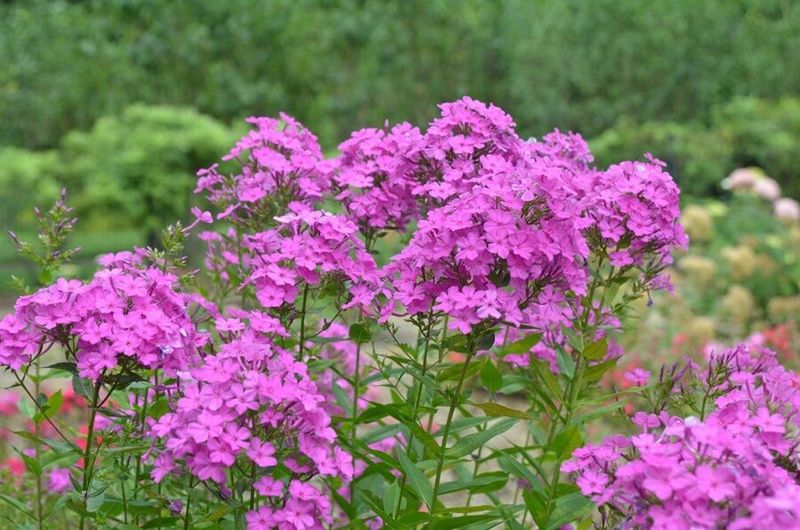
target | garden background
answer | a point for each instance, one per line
(122, 100)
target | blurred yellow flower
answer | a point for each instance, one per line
(782, 308)
(700, 330)
(738, 304)
(741, 261)
(698, 269)
(697, 222)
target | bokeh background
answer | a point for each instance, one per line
(121, 101)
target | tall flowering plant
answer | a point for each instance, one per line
(409, 334)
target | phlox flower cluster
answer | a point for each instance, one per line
(505, 226)
(448, 161)
(253, 404)
(506, 247)
(737, 468)
(280, 160)
(568, 149)
(372, 177)
(123, 315)
(636, 211)
(478, 258)
(307, 248)
(510, 224)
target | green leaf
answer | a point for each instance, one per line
(482, 483)
(491, 376)
(453, 371)
(546, 375)
(158, 408)
(359, 332)
(65, 366)
(50, 407)
(344, 504)
(417, 479)
(400, 412)
(469, 443)
(498, 410)
(595, 372)
(485, 341)
(461, 522)
(537, 506)
(512, 466)
(610, 293)
(17, 505)
(388, 520)
(60, 458)
(95, 502)
(566, 442)
(596, 350)
(523, 345)
(217, 514)
(457, 343)
(31, 464)
(161, 522)
(82, 386)
(112, 506)
(28, 408)
(391, 497)
(568, 508)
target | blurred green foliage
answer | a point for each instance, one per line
(695, 156)
(744, 132)
(340, 65)
(128, 176)
(27, 179)
(138, 168)
(765, 134)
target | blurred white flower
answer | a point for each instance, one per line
(787, 209)
(741, 179)
(767, 188)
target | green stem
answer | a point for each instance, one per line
(138, 470)
(88, 462)
(446, 432)
(475, 471)
(188, 505)
(517, 487)
(439, 361)
(414, 410)
(356, 385)
(303, 322)
(124, 500)
(37, 449)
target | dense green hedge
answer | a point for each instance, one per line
(137, 169)
(340, 65)
(744, 132)
(131, 170)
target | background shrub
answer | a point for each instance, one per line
(696, 156)
(765, 134)
(138, 168)
(343, 65)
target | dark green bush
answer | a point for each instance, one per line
(764, 134)
(27, 179)
(138, 169)
(696, 157)
(340, 65)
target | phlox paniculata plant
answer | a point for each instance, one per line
(252, 405)
(733, 465)
(365, 333)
